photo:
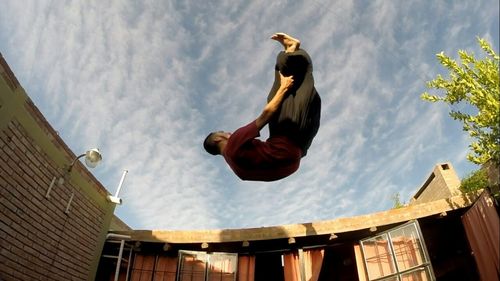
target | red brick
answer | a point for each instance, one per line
(39, 240)
(16, 250)
(29, 250)
(19, 193)
(4, 158)
(5, 220)
(17, 178)
(4, 139)
(14, 160)
(42, 178)
(13, 270)
(6, 169)
(27, 170)
(26, 143)
(6, 201)
(12, 126)
(10, 149)
(8, 133)
(27, 176)
(21, 231)
(3, 182)
(7, 149)
(7, 229)
(19, 150)
(34, 157)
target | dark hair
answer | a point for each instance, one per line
(210, 145)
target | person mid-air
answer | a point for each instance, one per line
(293, 115)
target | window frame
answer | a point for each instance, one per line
(206, 260)
(425, 265)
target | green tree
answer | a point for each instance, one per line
(474, 83)
(396, 201)
(474, 181)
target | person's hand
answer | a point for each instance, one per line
(286, 82)
(274, 104)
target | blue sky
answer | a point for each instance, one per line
(145, 81)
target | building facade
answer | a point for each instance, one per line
(454, 238)
(441, 234)
(53, 219)
(56, 223)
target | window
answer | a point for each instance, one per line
(201, 266)
(398, 254)
(445, 166)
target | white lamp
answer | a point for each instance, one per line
(92, 158)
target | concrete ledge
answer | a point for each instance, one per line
(336, 226)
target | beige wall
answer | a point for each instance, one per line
(39, 239)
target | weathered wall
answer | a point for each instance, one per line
(493, 173)
(44, 237)
(442, 183)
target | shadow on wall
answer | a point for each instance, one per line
(467, 199)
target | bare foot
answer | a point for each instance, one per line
(289, 43)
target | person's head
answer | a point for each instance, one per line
(215, 141)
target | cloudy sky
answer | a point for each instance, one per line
(145, 81)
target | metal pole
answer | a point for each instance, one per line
(129, 261)
(69, 203)
(47, 195)
(118, 262)
(121, 182)
(74, 161)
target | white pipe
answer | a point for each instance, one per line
(119, 236)
(121, 182)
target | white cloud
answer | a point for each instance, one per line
(146, 81)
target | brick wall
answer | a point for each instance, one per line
(493, 173)
(40, 237)
(442, 183)
(39, 240)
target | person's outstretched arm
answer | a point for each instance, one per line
(273, 105)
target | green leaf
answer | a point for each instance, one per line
(473, 82)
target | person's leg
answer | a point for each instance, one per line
(311, 125)
(300, 112)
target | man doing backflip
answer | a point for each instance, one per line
(293, 115)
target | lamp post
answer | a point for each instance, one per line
(92, 158)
